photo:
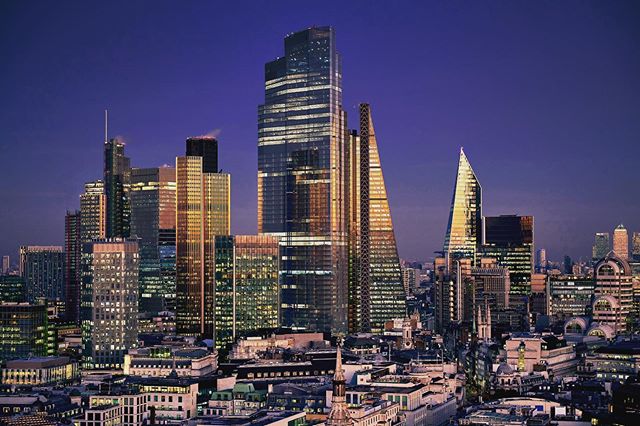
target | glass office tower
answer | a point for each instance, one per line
(464, 230)
(246, 291)
(303, 178)
(109, 302)
(601, 246)
(24, 329)
(73, 251)
(203, 210)
(42, 268)
(117, 173)
(153, 218)
(509, 240)
(93, 207)
(376, 291)
(621, 242)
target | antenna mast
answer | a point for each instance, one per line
(106, 124)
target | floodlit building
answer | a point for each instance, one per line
(303, 178)
(376, 290)
(464, 230)
(203, 210)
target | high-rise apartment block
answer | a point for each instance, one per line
(303, 178)
(621, 242)
(376, 290)
(464, 229)
(42, 268)
(246, 286)
(73, 255)
(153, 221)
(109, 302)
(202, 212)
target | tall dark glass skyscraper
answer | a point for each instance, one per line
(303, 178)
(153, 221)
(72, 276)
(117, 174)
(205, 147)
(509, 240)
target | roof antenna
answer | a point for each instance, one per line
(106, 124)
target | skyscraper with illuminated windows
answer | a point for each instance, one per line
(376, 291)
(464, 230)
(247, 291)
(621, 242)
(117, 173)
(203, 210)
(109, 302)
(153, 220)
(303, 178)
(73, 252)
(93, 212)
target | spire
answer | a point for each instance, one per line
(106, 126)
(339, 415)
(339, 373)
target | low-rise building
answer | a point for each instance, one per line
(160, 361)
(541, 353)
(615, 362)
(40, 371)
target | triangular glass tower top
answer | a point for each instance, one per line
(464, 230)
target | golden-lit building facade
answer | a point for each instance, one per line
(246, 287)
(93, 205)
(464, 230)
(303, 179)
(376, 290)
(203, 210)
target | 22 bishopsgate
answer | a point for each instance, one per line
(305, 192)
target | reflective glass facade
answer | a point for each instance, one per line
(509, 240)
(12, 288)
(109, 302)
(464, 230)
(570, 296)
(203, 211)
(73, 251)
(117, 173)
(303, 178)
(42, 268)
(24, 330)
(376, 291)
(153, 218)
(93, 211)
(247, 291)
(601, 246)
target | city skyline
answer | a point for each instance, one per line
(419, 176)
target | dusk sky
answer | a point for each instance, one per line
(544, 96)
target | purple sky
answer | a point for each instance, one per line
(544, 96)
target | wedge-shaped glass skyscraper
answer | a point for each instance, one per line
(376, 292)
(464, 231)
(302, 179)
